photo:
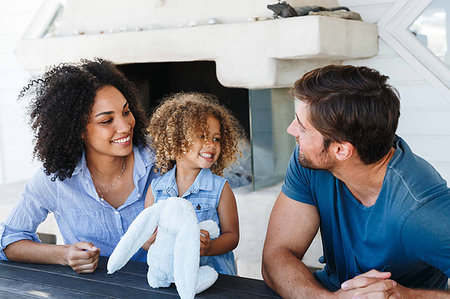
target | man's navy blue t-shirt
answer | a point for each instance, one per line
(406, 232)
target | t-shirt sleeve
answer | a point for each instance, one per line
(28, 213)
(297, 184)
(426, 233)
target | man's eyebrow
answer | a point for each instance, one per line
(110, 112)
(299, 122)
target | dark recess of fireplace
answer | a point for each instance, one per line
(157, 80)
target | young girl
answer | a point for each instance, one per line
(195, 139)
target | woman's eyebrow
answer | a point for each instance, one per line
(104, 113)
(110, 112)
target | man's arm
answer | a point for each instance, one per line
(292, 227)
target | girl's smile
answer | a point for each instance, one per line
(207, 156)
(205, 150)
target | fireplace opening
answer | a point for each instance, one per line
(155, 81)
(158, 80)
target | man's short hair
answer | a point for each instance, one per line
(353, 104)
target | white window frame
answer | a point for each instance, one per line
(393, 28)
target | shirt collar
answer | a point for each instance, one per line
(400, 146)
(203, 181)
(81, 165)
(141, 162)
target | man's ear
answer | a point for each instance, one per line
(342, 150)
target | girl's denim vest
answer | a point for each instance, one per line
(204, 194)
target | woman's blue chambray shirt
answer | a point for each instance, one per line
(80, 214)
(204, 194)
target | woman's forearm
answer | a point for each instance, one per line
(32, 252)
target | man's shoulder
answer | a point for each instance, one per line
(411, 173)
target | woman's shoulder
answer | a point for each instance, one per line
(40, 184)
(144, 159)
(145, 151)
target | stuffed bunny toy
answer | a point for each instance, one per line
(175, 254)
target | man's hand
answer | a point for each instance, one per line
(376, 284)
(82, 257)
(205, 242)
(372, 284)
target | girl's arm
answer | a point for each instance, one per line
(229, 226)
(149, 200)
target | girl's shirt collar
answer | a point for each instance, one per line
(168, 183)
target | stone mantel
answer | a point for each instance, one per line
(259, 54)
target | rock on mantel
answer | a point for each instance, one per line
(263, 54)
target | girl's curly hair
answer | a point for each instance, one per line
(61, 102)
(177, 121)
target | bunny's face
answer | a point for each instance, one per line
(174, 214)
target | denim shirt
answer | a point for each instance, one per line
(204, 194)
(79, 213)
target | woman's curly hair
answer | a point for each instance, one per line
(60, 106)
(178, 120)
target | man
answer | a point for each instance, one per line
(383, 212)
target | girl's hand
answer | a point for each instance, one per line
(151, 240)
(82, 257)
(205, 242)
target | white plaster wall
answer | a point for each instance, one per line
(15, 138)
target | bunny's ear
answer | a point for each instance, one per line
(187, 258)
(137, 234)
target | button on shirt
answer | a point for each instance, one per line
(80, 214)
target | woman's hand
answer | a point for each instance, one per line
(151, 240)
(205, 242)
(82, 257)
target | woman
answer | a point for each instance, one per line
(90, 135)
